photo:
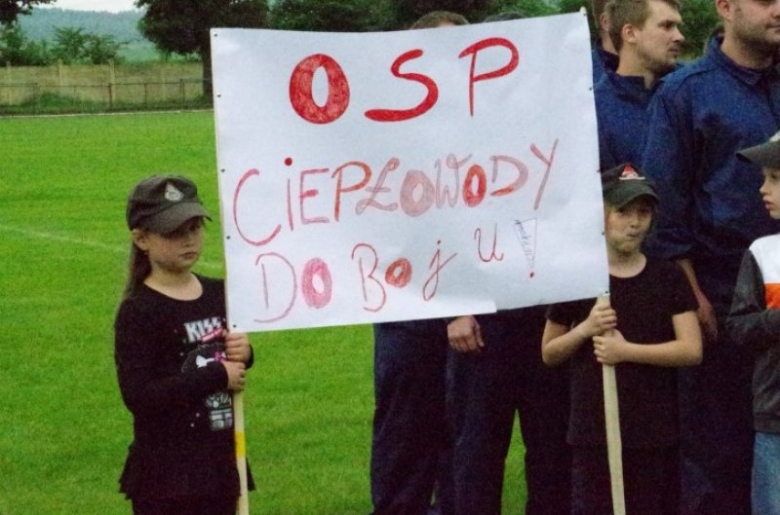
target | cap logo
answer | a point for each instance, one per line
(775, 138)
(629, 174)
(172, 193)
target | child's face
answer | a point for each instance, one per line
(626, 227)
(770, 191)
(177, 251)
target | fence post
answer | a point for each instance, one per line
(182, 93)
(37, 96)
(111, 84)
(9, 89)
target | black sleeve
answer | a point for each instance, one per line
(683, 298)
(570, 313)
(750, 322)
(145, 388)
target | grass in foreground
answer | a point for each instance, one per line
(65, 432)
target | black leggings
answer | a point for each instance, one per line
(651, 480)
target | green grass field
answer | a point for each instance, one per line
(63, 244)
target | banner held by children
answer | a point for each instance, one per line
(406, 175)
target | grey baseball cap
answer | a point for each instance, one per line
(162, 203)
(766, 154)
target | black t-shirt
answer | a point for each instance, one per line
(167, 355)
(647, 394)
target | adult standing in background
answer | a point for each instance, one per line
(497, 374)
(604, 54)
(709, 214)
(410, 431)
(647, 37)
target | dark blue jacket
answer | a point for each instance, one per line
(602, 60)
(710, 208)
(621, 110)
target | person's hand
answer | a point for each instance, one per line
(707, 319)
(608, 347)
(601, 318)
(463, 334)
(237, 347)
(236, 372)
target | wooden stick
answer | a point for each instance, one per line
(238, 420)
(614, 443)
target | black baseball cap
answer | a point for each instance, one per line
(766, 154)
(625, 183)
(162, 203)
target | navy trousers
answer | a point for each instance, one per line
(716, 419)
(490, 387)
(716, 432)
(410, 436)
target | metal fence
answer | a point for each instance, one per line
(39, 98)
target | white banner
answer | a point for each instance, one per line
(406, 175)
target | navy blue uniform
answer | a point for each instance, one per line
(410, 429)
(621, 110)
(602, 61)
(710, 212)
(505, 378)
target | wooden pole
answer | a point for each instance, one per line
(238, 421)
(614, 444)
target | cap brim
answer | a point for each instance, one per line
(625, 193)
(172, 218)
(766, 154)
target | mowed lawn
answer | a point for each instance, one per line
(63, 245)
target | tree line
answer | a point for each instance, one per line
(70, 45)
(182, 26)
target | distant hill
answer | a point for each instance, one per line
(123, 26)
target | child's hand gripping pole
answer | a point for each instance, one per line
(614, 445)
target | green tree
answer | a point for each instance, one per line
(407, 11)
(11, 9)
(100, 49)
(75, 45)
(17, 49)
(699, 20)
(528, 8)
(332, 15)
(572, 6)
(69, 44)
(182, 26)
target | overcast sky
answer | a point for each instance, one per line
(95, 5)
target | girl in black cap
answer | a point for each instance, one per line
(648, 328)
(176, 363)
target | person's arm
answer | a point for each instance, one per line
(671, 158)
(144, 389)
(684, 350)
(464, 335)
(750, 322)
(559, 343)
(705, 313)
